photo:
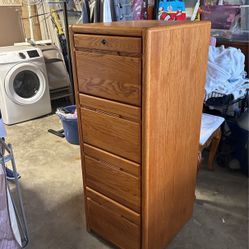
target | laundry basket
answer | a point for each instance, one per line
(69, 123)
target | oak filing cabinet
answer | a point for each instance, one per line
(139, 90)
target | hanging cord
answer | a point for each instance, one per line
(49, 14)
(43, 14)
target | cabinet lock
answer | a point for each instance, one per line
(103, 41)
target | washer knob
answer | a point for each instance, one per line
(22, 55)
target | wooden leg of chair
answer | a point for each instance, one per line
(199, 161)
(213, 149)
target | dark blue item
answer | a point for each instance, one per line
(10, 174)
(70, 126)
(239, 138)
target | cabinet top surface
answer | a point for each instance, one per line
(131, 28)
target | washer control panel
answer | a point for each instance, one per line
(33, 53)
(19, 54)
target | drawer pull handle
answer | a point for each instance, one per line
(103, 41)
(106, 164)
(96, 202)
(127, 219)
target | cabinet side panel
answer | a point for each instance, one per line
(175, 61)
(76, 89)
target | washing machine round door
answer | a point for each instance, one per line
(25, 84)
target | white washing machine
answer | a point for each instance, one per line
(24, 91)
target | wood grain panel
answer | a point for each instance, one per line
(123, 164)
(121, 110)
(109, 76)
(114, 206)
(113, 134)
(127, 28)
(172, 102)
(109, 180)
(113, 226)
(74, 69)
(109, 43)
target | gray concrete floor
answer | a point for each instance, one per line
(52, 191)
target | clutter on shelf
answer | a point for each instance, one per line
(171, 10)
(230, 20)
(116, 10)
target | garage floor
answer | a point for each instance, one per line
(52, 190)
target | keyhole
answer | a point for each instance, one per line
(103, 41)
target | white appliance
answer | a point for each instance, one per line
(24, 91)
(58, 78)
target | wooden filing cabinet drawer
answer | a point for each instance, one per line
(112, 132)
(118, 224)
(113, 176)
(129, 112)
(110, 76)
(109, 43)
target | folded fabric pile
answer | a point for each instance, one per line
(225, 72)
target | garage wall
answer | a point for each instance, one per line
(11, 29)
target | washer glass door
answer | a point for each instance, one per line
(25, 84)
